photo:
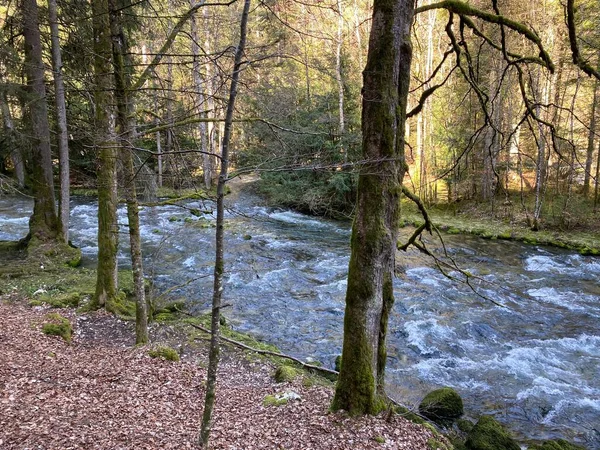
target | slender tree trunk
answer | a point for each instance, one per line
(357, 34)
(541, 162)
(108, 228)
(201, 103)
(370, 295)
(590, 148)
(210, 92)
(124, 131)
(43, 224)
(9, 131)
(211, 378)
(338, 68)
(597, 180)
(61, 121)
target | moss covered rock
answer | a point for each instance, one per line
(442, 406)
(285, 374)
(489, 434)
(164, 352)
(559, 444)
(57, 325)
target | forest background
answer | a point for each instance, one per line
(298, 117)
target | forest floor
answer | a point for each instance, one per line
(101, 392)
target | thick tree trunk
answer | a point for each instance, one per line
(61, 122)
(211, 378)
(589, 157)
(124, 131)
(369, 296)
(108, 229)
(43, 224)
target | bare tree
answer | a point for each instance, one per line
(213, 362)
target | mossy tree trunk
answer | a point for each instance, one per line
(213, 362)
(369, 296)
(43, 224)
(106, 281)
(124, 131)
(61, 121)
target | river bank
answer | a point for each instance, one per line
(100, 391)
(531, 361)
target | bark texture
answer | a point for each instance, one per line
(43, 224)
(106, 282)
(369, 295)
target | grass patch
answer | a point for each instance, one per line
(477, 219)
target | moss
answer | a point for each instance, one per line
(434, 444)
(559, 444)
(75, 261)
(57, 325)
(442, 406)
(285, 374)
(36, 302)
(173, 219)
(121, 306)
(273, 400)
(338, 363)
(379, 439)
(409, 415)
(63, 300)
(247, 237)
(489, 434)
(464, 425)
(164, 352)
(452, 230)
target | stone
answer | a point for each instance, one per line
(442, 406)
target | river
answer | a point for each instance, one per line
(533, 362)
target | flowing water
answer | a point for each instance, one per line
(533, 362)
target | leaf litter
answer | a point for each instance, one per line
(101, 392)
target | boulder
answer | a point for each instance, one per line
(489, 434)
(559, 444)
(442, 406)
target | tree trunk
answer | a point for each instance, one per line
(108, 228)
(338, 68)
(540, 172)
(369, 296)
(124, 131)
(61, 122)
(43, 224)
(213, 362)
(210, 91)
(9, 131)
(597, 180)
(589, 157)
(201, 104)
